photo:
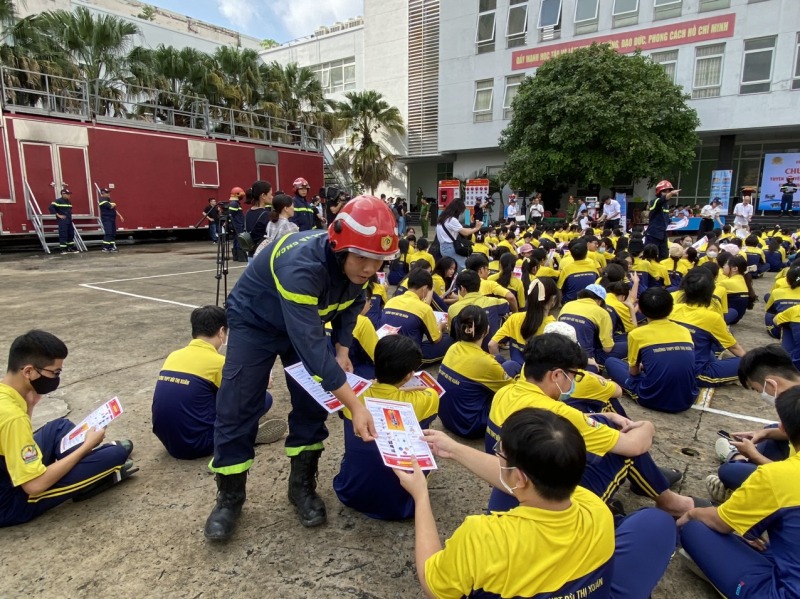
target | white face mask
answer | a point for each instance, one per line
(711, 254)
(768, 399)
(507, 487)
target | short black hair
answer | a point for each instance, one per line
(423, 264)
(476, 262)
(395, 357)
(469, 280)
(419, 278)
(579, 250)
(656, 303)
(787, 404)
(761, 362)
(422, 244)
(38, 348)
(207, 321)
(472, 323)
(698, 287)
(547, 448)
(552, 351)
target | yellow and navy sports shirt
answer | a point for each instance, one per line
(185, 398)
(480, 248)
(290, 292)
(514, 286)
(507, 244)
(621, 320)
(735, 286)
(789, 323)
(496, 310)
(593, 387)
(364, 483)
(658, 272)
(528, 552)
(599, 438)
(598, 258)
(751, 251)
(471, 377)
(709, 332)
(769, 501)
(719, 301)
(421, 255)
(592, 324)
(665, 351)
(576, 276)
(362, 351)
(512, 330)
(414, 317)
(20, 456)
(491, 287)
(439, 287)
(781, 299)
(682, 267)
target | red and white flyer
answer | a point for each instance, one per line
(399, 435)
(424, 378)
(387, 330)
(325, 398)
(100, 418)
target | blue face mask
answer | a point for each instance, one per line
(565, 395)
(601, 251)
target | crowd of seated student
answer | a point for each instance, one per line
(781, 299)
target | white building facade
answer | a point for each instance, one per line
(452, 68)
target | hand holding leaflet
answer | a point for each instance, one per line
(325, 398)
(399, 435)
(98, 419)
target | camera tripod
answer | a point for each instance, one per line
(223, 258)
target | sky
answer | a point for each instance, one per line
(281, 20)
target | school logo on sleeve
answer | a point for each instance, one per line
(30, 453)
(592, 423)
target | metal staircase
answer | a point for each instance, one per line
(333, 176)
(46, 226)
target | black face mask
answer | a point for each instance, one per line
(44, 385)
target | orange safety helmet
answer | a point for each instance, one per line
(365, 226)
(238, 192)
(300, 182)
(662, 185)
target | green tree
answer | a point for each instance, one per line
(597, 116)
(148, 13)
(269, 43)
(369, 117)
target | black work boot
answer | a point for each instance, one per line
(302, 489)
(230, 497)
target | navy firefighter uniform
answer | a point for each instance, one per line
(108, 216)
(303, 212)
(62, 208)
(656, 232)
(237, 222)
(279, 307)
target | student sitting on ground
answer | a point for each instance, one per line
(377, 300)
(422, 253)
(782, 299)
(553, 363)
(578, 274)
(621, 306)
(788, 323)
(558, 542)
(659, 372)
(364, 483)
(738, 283)
(402, 286)
(35, 475)
(755, 256)
(543, 297)
(719, 300)
(709, 332)
(775, 255)
(507, 280)
(769, 372)
(412, 313)
(658, 273)
(468, 283)
(479, 264)
(362, 349)
(746, 565)
(676, 266)
(185, 399)
(471, 377)
(588, 316)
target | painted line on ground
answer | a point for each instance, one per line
(144, 297)
(174, 274)
(734, 415)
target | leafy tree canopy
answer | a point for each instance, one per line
(597, 116)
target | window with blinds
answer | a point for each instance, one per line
(484, 95)
(667, 9)
(586, 16)
(484, 33)
(668, 61)
(512, 85)
(708, 71)
(422, 125)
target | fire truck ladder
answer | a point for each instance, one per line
(45, 225)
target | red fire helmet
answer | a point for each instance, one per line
(662, 185)
(365, 226)
(238, 192)
(300, 183)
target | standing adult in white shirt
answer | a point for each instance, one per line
(611, 212)
(536, 211)
(710, 215)
(449, 227)
(743, 213)
(512, 210)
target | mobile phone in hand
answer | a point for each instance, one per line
(727, 435)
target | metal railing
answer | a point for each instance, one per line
(136, 106)
(38, 218)
(342, 178)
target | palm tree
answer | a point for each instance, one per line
(369, 117)
(97, 46)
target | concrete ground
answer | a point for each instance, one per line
(120, 316)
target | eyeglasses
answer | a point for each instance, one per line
(577, 375)
(498, 452)
(53, 372)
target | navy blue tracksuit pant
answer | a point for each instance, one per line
(17, 507)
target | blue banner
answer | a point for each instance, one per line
(721, 187)
(623, 210)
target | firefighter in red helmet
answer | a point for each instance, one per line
(656, 232)
(237, 221)
(279, 307)
(303, 212)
